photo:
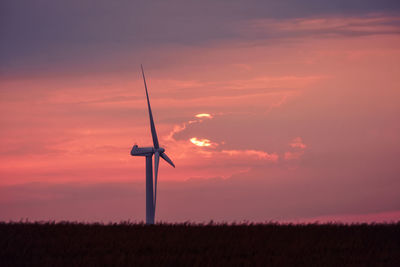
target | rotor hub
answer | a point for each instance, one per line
(160, 150)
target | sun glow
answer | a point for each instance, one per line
(204, 115)
(201, 142)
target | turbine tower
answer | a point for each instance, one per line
(148, 152)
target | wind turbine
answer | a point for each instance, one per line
(148, 152)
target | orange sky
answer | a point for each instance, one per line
(293, 118)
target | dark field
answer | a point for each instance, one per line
(74, 244)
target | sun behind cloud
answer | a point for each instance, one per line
(202, 142)
(204, 115)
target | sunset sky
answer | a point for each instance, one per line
(271, 110)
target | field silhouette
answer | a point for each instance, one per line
(270, 244)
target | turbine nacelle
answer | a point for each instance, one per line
(145, 151)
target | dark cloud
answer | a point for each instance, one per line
(39, 35)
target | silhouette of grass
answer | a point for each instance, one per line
(130, 244)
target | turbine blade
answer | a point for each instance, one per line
(156, 161)
(167, 159)
(152, 127)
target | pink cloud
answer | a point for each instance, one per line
(252, 153)
(372, 24)
(298, 146)
(297, 143)
(206, 147)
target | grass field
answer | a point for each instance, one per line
(125, 244)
